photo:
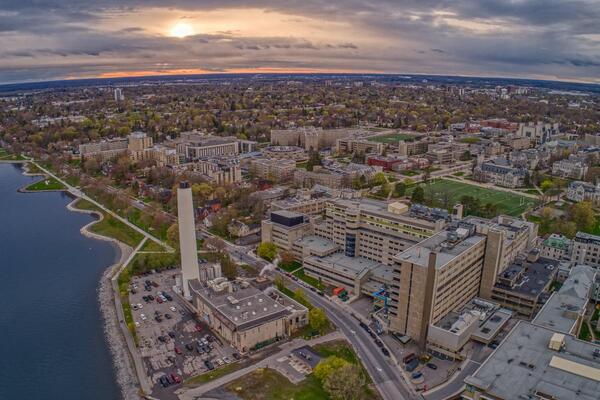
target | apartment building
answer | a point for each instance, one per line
(275, 170)
(103, 150)
(194, 146)
(353, 145)
(139, 141)
(446, 152)
(586, 249)
(219, 170)
(283, 228)
(412, 148)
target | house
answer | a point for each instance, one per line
(240, 229)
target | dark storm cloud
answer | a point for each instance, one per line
(526, 38)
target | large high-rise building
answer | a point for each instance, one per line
(187, 236)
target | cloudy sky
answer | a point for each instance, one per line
(57, 39)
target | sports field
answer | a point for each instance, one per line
(391, 138)
(507, 203)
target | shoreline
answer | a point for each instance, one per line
(125, 374)
(23, 189)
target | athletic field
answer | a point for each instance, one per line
(391, 138)
(507, 203)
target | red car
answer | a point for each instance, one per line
(159, 300)
(199, 327)
(177, 350)
(176, 378)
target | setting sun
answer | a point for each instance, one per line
(181, 30)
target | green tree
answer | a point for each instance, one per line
(301, 298)
(346, 383)
(228, 267)
(267, 250)
(582, 214)
(378, 179)
(418, 195)
(317, 319)
(329, 366)
(400, 189)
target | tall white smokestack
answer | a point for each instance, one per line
(187, 236)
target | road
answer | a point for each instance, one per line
(387, 377)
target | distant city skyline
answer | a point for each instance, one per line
(63, 39)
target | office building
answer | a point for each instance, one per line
(312, 138)
(283, 228)
(222, 171)
(544, 359)
(187, 236)
(246, 317)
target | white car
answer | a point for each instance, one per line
(137, 324)
(140, 306)
(172, 309)
(143, 317)
(219, 361)
(227, 360)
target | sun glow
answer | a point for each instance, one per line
(181, 30)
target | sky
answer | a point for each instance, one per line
(65, 39)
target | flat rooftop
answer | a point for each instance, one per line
(438, 243)
(534, 277)
(318, 244)
(246, 307)
(344, 264)
(521, 366)
(562, 308)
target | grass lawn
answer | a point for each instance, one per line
(123, 280)
(214, 374)
(309, 279)
(111, 227)
(294, 265)
(507, 203)
(151, 245)
(268, 384)
(391, 138)
(4, 155)
(585, 333)
(46, 184)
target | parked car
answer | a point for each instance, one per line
(168, 316)
(411, 366)
(385, 352)
(432, 366)
(209, 365)
(173, 309)
(408, 358)
(416, 375)
(172, 334)
(226, 360)
(177, 350)
(189, 347)
(143, 317)
(176, 378)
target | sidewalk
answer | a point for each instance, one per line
(286, 348)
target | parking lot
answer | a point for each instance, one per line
(173, 344)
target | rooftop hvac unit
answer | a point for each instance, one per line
(557, 341)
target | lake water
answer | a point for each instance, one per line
(52, 344)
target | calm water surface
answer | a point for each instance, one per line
(52, 344)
